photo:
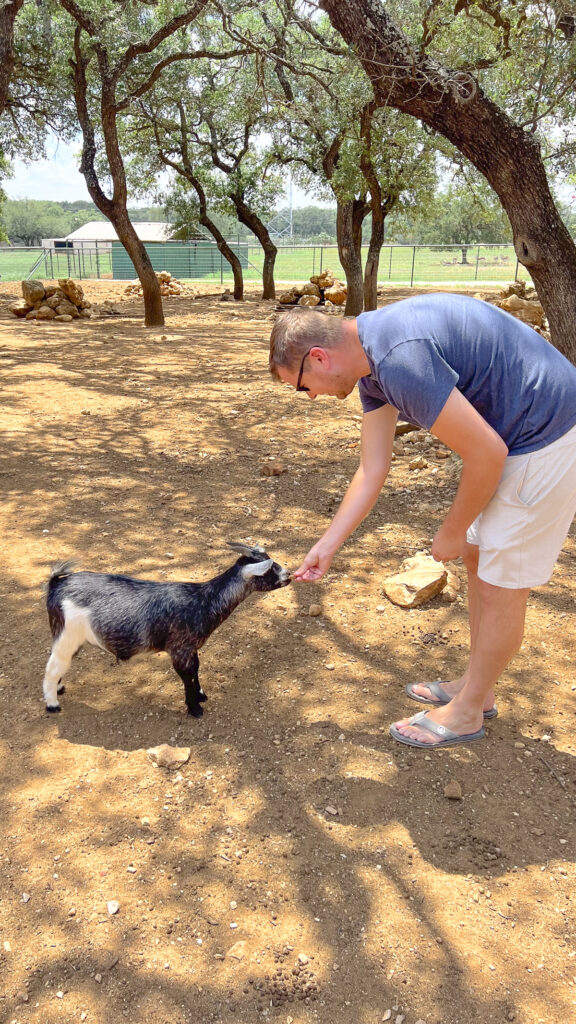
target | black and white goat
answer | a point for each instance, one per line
(127, 616)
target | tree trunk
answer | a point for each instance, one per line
(153, 311)
(349, 217)
(115, 208)
(228, 254)
(8, 11)
(373, 258)
(453, 104)
(251, 220)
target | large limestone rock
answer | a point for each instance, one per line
(310, 288)
(324, 280)
(336, 293)
(290, 297)
(72, 290)
(67, 308)
(19, 308)
(420, 579)
(528, 310)
(309, 300)
(32, 291)
(45, 313)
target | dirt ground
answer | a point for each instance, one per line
(300, 867)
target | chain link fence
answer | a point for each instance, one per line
(409, 265)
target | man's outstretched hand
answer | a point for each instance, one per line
(316, 563)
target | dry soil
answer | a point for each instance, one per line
(300, 867)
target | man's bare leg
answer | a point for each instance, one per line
(453, 686)
(497, 628)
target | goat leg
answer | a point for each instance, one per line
(187, 669)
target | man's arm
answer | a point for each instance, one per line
(483, 452)
(378, 429)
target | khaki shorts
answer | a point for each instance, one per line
(522, 529)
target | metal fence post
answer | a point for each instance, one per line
(413, 262)
(321, 258)
(477, 258)
(390, 265)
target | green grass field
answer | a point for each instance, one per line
(399, 264)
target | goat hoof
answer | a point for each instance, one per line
(53, 710)
(196, 711)
(202, 696)
(61, 689)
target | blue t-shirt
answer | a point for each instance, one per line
(419, 349)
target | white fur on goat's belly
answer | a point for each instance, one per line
(78, 627)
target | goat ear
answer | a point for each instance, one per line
(256, 568)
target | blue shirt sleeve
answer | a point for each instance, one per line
(414, 378)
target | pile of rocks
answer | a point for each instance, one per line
(522, 301)
(62, 302)
(168, 286)
(321, 290)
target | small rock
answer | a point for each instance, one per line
(315, 610)
(169, 757)
(519, 745)
(113, 906)
(331, 810)
(237, 951)
(302, 958)
(387, 1015)
(418, 463)
(272, 469)
(453, 790)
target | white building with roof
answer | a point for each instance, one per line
(99, 234)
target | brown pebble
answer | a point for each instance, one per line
(453, 790)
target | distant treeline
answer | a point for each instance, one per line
(451, 218)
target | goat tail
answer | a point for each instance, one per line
(61, 570)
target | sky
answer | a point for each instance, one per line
(56, 178)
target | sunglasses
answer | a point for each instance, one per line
(299, 385)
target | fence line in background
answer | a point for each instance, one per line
(201, 262)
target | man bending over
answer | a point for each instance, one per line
(497, 393)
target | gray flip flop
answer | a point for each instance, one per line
(442, 698)
(446, 738)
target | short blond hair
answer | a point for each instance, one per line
(298, 330)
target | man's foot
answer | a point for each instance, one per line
(421, 729)
(434, 735)
(440, 693)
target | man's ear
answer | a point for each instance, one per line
(321, 355)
